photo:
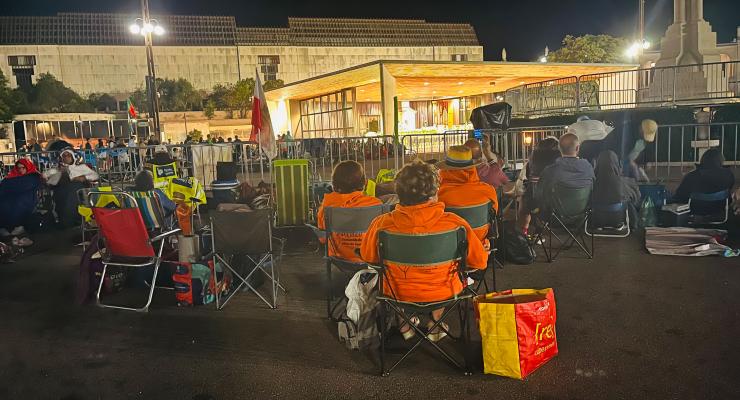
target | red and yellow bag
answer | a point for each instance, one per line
(517, 329)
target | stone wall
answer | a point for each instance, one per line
(119, 70)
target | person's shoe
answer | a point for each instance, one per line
(409, 334)
(440, 334)
(18, 231)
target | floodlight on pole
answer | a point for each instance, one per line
(146, 26)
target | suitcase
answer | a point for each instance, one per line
(291, 192)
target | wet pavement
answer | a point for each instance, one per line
(630, 326)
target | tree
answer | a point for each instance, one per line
(49, 95)
(219, 96)
(102, 102)
(6, 100)
(195, 135)
(210, 109)
(590, 49)
(273, 84)
(178, 95)
(240, 96)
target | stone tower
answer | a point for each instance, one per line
(690, 39)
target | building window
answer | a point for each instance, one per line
(459, 57)
(21, 61)
(268, 65)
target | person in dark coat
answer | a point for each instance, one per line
(611, 187)
(18, 195)
(708, 177)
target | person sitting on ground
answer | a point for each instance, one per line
(419, 212)
(542, 157)
(568, 170)
(489, 171)
(348, 181)
(460, 185)
(611, 187)
(708, 177)
(144, 182)
(70, 176)
(18, 197)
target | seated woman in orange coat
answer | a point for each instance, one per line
(461, 186)
(348, 180)
(418, 212)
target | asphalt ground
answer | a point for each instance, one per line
(630, 326)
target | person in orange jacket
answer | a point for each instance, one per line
(461, 186)
(348, 181)
(419, 211)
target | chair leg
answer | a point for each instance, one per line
(329, 289)
(382, 323)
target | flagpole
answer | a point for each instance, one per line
(259, 151)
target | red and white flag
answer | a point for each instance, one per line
(262, 132)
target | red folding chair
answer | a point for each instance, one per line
(127, 242)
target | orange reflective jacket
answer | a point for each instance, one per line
(422, 283)
(343, 245)
(463, 188)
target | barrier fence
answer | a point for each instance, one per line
(696, 84)
(675, 150)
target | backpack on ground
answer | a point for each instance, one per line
(517, 248)
(357, 324)
(194, 283)
(91, 269)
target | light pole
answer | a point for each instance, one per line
(145, 26)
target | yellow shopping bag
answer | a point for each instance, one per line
(517, 329)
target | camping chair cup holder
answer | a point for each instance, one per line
(569, 210)
(438, 248)
(127, 241)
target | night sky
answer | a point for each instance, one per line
(523, 27)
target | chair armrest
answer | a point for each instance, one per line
(316, 231)
(164, 235)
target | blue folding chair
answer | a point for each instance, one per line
(608, 220)
(700, 203)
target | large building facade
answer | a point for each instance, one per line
(96, 53)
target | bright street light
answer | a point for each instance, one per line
(543, 59)
(135, 29)
(148, 27)
(635, 49)
(158, 30)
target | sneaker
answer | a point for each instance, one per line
(18, 231)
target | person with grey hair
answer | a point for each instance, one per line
(568, 170)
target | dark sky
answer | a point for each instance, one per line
(523, 27)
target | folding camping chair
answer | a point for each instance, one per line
(568, 209)
(479, 216)
(418, 251)
(150, 206)
(127, 242)
(708, 201)
(609, 220)
(344, 221)
(248, 234)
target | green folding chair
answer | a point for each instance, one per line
(419, 251)
(478, 216)
(568, 210)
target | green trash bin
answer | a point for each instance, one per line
(291, 191)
